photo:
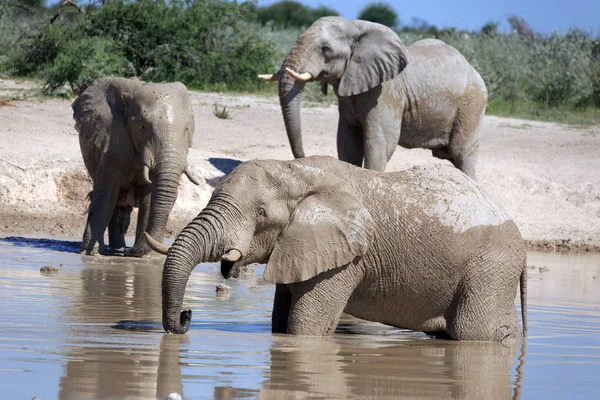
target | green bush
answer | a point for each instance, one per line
(222, 45)
(81, 61)
(291, 14)
(207, 44)
(380, 12)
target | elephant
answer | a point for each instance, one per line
(424, 249)
(134, 138)
(425, 95)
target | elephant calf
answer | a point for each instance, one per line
(423, 249)
(134, 138)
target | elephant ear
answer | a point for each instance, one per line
(98, 112)
(328, 229)
(93, 115)
(377, 56)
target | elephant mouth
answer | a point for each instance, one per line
(228, 261)
(229, 269)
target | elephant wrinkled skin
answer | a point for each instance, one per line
(424, 95)
(423, 249)
(134, 138)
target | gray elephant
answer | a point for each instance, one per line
(425, 95)
(423, 249)
(134, 138)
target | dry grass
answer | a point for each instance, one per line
(6, 103)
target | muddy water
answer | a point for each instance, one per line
(92, 330)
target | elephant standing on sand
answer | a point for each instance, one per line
(134, 138)
(423, 249)
(424, 95)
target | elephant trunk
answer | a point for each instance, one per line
(165, 184)
(290, 94)
(200, 241)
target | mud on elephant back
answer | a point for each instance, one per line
(134, 138)
(424, 249)
(424, 95)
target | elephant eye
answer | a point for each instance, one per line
(262, 212)
(325, 49)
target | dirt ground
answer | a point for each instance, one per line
(547, 176)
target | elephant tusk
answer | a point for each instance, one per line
(232, 255)
(146, 174)
(268, 77)
(156, 245)
(304, 77)
(191, 177)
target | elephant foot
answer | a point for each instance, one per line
(136, 251)
(120, 252)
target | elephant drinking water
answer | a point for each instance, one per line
(423, 249)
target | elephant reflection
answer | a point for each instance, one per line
(104, 362)
(415, 369)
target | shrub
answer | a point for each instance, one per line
(209, 44)
(381, 13)
(221, 112)
(291, 14)
(83, 60)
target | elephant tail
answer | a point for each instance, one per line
(523, 286)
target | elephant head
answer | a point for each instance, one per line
(294, 216)
(353, 56)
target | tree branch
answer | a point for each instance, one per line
(64, 4)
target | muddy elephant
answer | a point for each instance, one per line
(134, 138)
(422, 249)
(424, 95)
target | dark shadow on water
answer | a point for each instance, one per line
(225, 165)
(138, 326)
(233, 327)
(153, 326)
(47, 244)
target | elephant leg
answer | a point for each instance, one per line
(350, 143)
(483, 308)
(464, 140)
(380, 141)
(116, 241)
(317, 304)
(104, 202)
(87, 232)
(142, 221)
(87, 235)
(117, 228)
(281, 309)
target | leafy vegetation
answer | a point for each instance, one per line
(381, 13)
(221, 112)
(222, 45)
(291, 14)
(207, 44)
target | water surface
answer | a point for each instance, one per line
(93, 330)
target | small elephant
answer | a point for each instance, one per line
(134, 138)
(425, 95)
(422, 249)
